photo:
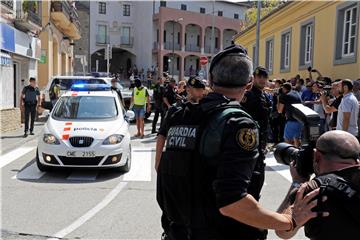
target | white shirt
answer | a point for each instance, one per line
(349, 103)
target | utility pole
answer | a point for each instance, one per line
(212, 29)
(257, 48)
(108, 59)
(173, 49)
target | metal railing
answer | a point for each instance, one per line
(207, 49)
(126, 41)
(67, 9)
(192, 48)
(170, 45)
(8, 4)
(102, 39)
(156, 46)
(29, 14)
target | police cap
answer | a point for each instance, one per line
(232, 50)
(195, 82)
(261, 72)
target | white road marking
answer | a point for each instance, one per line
(283, 170)
(30, 173)
(91, 213)
(140, 165)
(13, 155)
(83, 176)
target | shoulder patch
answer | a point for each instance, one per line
(246, 138)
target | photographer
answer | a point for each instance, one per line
(319, 78)
(337, 169)
(332, 108)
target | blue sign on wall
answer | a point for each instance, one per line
(7, 37)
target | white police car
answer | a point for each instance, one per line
(87, 128)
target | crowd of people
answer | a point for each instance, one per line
(335, 101)
(210, 154)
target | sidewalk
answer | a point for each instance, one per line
(15, 139)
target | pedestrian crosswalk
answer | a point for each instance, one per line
(141, 167)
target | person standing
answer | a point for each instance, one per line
(55, 92)
(170, 94)
(158, 98)
(292, 131)
(348, 111)
(204, 176)
(258, 105)
(30, 100)
(141, 102)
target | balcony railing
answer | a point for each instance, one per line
(67, 9)
(156, 46)
(171, 45)
(8, 4)
(29, 13)
(208, 49)
(126, 41)
(192, 48)
(102, 39)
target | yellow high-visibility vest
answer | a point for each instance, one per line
(140, 96)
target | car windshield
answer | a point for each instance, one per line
(86, 107)
(65, 84)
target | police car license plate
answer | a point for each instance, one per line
(83, 154)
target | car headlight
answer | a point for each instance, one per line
(113, 139)
(50, 139)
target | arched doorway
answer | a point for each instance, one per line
(191, 65)
(208, 40)
(122, 62)
(171, 64)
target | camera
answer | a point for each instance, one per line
(303, 157)
(327, 90)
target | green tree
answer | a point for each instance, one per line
(266, 7)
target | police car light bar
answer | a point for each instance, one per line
(90, 87)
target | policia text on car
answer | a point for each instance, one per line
(205, 185)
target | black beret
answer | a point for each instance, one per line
(261, 71)
(195, 82)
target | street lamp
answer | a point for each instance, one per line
(173, 43)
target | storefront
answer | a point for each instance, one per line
(19, 55)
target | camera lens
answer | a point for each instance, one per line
(285, 153)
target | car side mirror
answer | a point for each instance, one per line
(129, 115)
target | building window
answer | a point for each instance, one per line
(236, 15)
(178, 37)
(307, 43)
(125, 35)
(347, 33)
(126, 11)
(220, 13)
(183, 7)
(270, 55)
(285, 51)
(202, 10)
(162, 3)
(102, 7)
(164, 35)
(102, 37)
(157, 35)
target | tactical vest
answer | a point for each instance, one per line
(344, 206)
(184, 193)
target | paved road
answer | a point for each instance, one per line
(94, 204)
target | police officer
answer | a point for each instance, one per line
(30, 100)
(257, 104)
(205, 172)
(337, 169)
